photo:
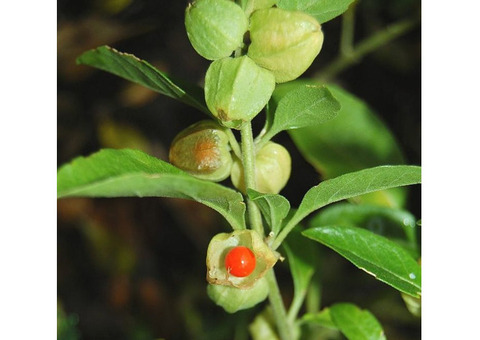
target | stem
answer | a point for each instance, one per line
(278, 308)
(234, 144)
(366, 46)
(286, 230)
(348, 29)
(248, 160)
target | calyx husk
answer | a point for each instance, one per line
(273, 165)
(203, 150)
(284, 42)
(215, 28)
(233, 299)
(237, 89)
(222, 243)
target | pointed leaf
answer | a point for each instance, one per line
(356, 139)
(141, 72)
(322, 10)
(354, 184)
(274, 208)
(302, 258)
(355, 323)
(388, 222)
(322, 318)
(376, 255)
(300, 106)
(126, 173)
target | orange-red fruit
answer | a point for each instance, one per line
(240, 261)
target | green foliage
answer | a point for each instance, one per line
(141, 72)
(274, 208)
(398, 225)
(350, 320)
(356, 139)
(123, 173)
(355, 323)
(355, 184)
(336, 132)
(376, 255)
(299, 107)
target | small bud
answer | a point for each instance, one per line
(284, 42)
(222, 244)
(237, 89)
(202, 150)
(234, 299)
(272, 169)
(215, 28)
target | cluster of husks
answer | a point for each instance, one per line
(203, 150)
(251, 49)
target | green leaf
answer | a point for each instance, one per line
(141, 72)
(389, 222)
(322, 10)
(274, 208)
(126, 173)
(301, 106)
(302, 258)
(376, 255)
(356, 139)
(322, 318)
(355, 323)
(354, 184)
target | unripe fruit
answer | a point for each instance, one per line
(215, 27)
(272, 169)
(237, 89)
(284, 42)
(202, 150)
(240, 261)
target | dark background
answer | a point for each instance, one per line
(131, 268)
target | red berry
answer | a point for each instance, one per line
(240, 261)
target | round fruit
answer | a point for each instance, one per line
(237, 89)
(284, 42)
(272, 169)
(215, 27)
(240, 261)
(202, 150)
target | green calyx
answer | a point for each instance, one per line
(215, 28)
(202, 150)
(237, 89)
(233, 299)
(273, 165)
(284, 42)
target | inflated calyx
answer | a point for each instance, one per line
(284, 42)
(231, 292)
(215, 28)
(272, 169)
(202, 150)
(237, 89)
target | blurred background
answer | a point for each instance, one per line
(131, 268)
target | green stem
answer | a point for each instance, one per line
(285, 231)
(348, 30)
(248, 160)
(234, 144)
(366, 46)
(278, 307)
